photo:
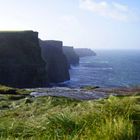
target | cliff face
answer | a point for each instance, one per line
(82, 52)
(21, 64)
(56, 62)
(72, 57)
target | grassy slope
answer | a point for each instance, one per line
(54, 118)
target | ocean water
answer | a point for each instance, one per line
(107, 69)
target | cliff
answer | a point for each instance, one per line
(72, 57)
(82, 52)
(21, 64)
(56, 62)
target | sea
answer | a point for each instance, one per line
(109, 68)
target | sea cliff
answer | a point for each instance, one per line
(82, 52)
(57, 66)
(72, 57)
(21, 64)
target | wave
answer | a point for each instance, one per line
(110, 68)
(91, 68)
(107, 69)
(102, 62)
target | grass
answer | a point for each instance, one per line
(90, 87)
(56, 118)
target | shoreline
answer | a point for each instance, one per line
(87, 93)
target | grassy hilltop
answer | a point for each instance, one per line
(57, 118)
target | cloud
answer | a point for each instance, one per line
(112, 10)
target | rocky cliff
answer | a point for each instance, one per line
(21, 64)
(56, 62)
(82, 52)
(72, 57)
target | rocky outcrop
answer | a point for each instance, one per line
(21, 64)
(85, 94)
(72, 57)
(56, 62)
(82, 52)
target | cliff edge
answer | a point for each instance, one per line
(82, 52)
(21, 64)
(72, 57)
(57, 66)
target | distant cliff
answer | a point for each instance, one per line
(56, 62)
(82, 52)
(72, 57)
(21, 64)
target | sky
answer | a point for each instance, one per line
(97, 24)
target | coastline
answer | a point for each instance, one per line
(85, 93)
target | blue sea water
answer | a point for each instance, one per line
(108, 69)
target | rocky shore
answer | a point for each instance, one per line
(83, 93)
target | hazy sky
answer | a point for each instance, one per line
(107, 24)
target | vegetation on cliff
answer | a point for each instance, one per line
(53, 118)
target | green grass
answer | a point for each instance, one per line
(55, 118)
(90, 87)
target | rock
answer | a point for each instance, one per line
(74, 93)
(57, 66)
(72, 57)
(82, 52)
(21, 64)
